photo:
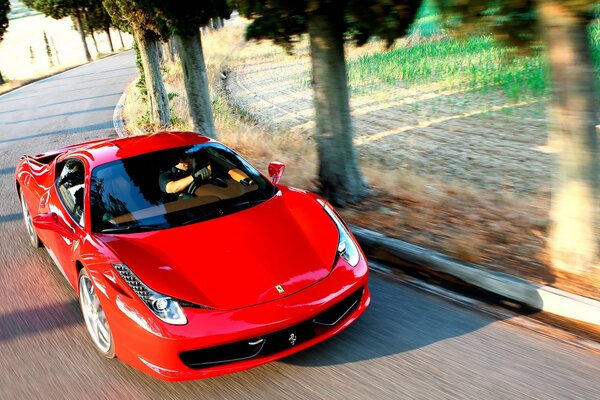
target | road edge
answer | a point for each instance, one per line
(118, 120)
(397, 253)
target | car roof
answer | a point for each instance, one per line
(104, 151)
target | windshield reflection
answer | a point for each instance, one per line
(173, 187)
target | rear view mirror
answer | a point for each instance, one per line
(50, 221)
(276, 171)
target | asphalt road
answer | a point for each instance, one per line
(409, 344)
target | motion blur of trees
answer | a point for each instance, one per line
(59, 9)
(185, 19)
(142, 20)
(4, 10)
(562, 28)
(329, 23)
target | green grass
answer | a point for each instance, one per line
(476, 62)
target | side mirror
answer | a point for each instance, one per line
(276, 171)
(51, 222)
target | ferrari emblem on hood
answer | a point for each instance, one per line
(280, 289)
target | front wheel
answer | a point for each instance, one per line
(33, 237)
(94, 317)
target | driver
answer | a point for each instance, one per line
(179, 178)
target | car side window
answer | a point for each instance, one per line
(70, 187)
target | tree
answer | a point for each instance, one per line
(140, 18)
(98, 20)
(185, 19)
(48, 50)
(4, 10)
(329, 23)
(563, 27)
(59, 9)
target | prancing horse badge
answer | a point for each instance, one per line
(280, 289)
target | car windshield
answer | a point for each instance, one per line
(135, 194)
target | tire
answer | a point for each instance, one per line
(94, 317)
(33, 237)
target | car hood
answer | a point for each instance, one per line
(236, 260)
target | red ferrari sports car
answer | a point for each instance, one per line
(189, 263)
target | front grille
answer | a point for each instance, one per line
(273, 342)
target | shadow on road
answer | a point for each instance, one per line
(7, 171)
(81, 99)
(81, 129)
(68, 76)
(399, 319)
(10, 217)
(39, 319)
(99, 87)
(91, 110)
(13, 99)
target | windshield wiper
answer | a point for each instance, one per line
(245, 204)
(136, 228)
(217, 212)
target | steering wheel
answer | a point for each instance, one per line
(212, 180)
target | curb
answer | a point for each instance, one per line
(394, 251)
(118, 121)
(538, 297)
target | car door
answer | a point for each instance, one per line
(63, 241)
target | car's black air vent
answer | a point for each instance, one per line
(227, 353)
(336, 313)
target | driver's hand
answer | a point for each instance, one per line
(202, 175)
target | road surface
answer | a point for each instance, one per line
(408, 345)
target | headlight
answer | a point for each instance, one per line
(346, 247)
(164, 307)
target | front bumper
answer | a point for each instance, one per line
(193, 351)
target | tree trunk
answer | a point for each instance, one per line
(574, 234)
(165, 52)
(339, 176)
(95, 43)
(121, 39)
(172, 52)
(157, 94)
(107, 30)
(82, 34)
(195, 79)
(1, 79)
(55, 50)
(159, 49)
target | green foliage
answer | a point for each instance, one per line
(185, 17)
(4, 10)
(141, 82)
(137, 15)
(513, 21)
(428, 20)
(56, 9)
(284, 21)
(48, 50)
(96, 17)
